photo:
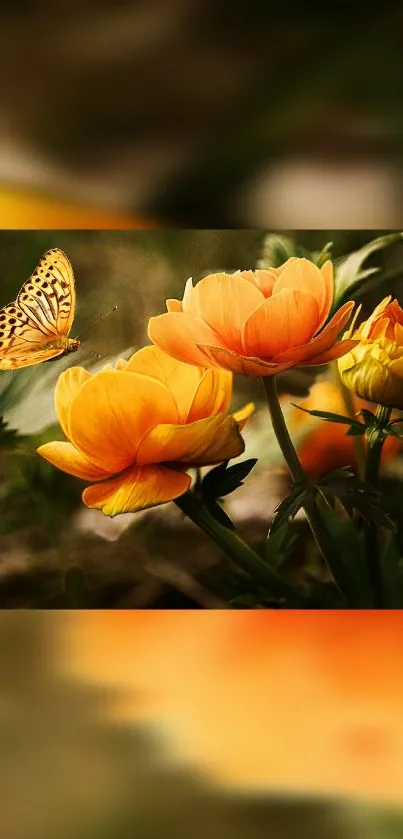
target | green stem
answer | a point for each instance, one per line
(240, 553)
(358, 441)
(314, 518)
(375, 446)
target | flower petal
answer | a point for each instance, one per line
(265, 279)
(338, 349)
(68, 385)
(328, 278)
(173, 305)
(245, 365)
(320, 343)
(177, 333)
(67, 458)
(224, 302)
(182, 380)
(137, 489)
(287, 319)
(112, 412)
(213, 395)
(241, 417)
(199, 443)
(303, 275)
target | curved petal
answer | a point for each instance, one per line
(68, 385)
(67, 458)
(245, 365)
(320, 343)
(213, 395)
(224, 302)
(241, 417)
(328, 278)
(200, 443)
(177, 333)
(303, 275)
(173, 305)
(338, 349)
(121, 364)
(137, 489)
(265, 279)
(287, 319)
(112, 412)
(182, 380)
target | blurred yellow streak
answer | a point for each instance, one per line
(24, 210)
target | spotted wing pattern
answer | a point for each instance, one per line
(32, 328)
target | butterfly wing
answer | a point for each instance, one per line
(22, 358)
(48, 298)
(43, 313)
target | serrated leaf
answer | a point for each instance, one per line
(221, 480)
(350, 275)
(288, 508)
(355, 495)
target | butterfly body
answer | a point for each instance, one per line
(36, 326)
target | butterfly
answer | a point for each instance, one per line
(36, 326)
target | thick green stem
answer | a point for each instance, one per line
(240, 553)
(375, 446)
(314, 518)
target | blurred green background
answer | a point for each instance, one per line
(155, 558)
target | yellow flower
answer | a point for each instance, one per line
(373, 369)
(258, 323)
(134, 430)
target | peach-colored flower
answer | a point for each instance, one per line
(258, 323)
(134, 430)
(373, 369)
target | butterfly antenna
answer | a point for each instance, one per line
(95, 323)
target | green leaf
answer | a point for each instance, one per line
(328, 416)
(277, 249)
(288, 508)
(369, 417)
(350, 275)
(221, 480)
(350, 544)
(218, 513)
(324, 255)
(356, 496)
(278, 547)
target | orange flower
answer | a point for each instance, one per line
(374, 367)
(135, 429)
(324, 446)
(255, 322)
